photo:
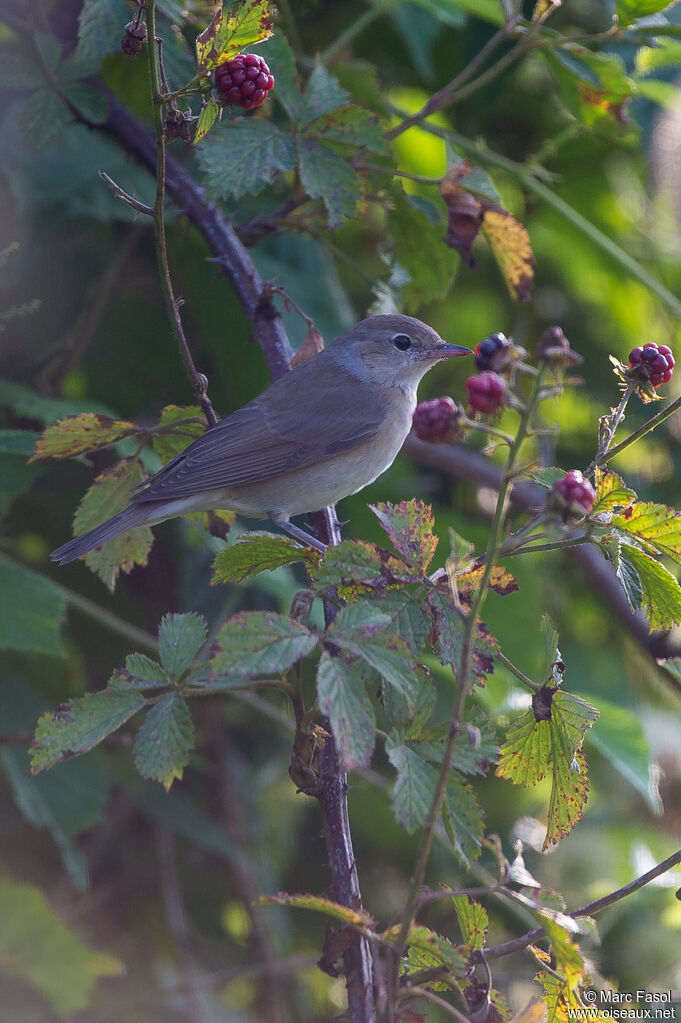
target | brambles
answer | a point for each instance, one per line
(486, 392)
(437, 420)
(573, 493)
(243, 81)
(492, 353)
(651, 362)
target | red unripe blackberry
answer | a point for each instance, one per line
(492, 353)
(652, 362)
(574, 492)
(243, 81)
(486, 392)
(436, 420)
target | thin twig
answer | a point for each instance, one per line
(648, 427)
(124, 196)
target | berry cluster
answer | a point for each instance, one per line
(486, 392)
(575, 492)
(652, 362)
(243, 81)
(492, 353)
(436, 420)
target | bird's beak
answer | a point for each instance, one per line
(446, 351)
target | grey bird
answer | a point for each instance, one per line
(321, 432)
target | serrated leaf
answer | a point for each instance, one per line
(326, 175)
(450, 631)
(88, 101)
(414, 786)
(410, 527)
(109, 494)
(245, 22)
(569, 793)
(40, 950)
(500, 581)
(144, 672)
(33, 609)
(75, 727)
(360, 629)
(165, 740)
(413, 233)
(260, 642)
(463, 818)
(43, 118)
(407, 616)
(76, 434)
(321, 95)
(180, 637)
(342, 696)
(177, 427)
(660, 591)
(278, 56)
(473, 919)
(359, 919)
(100, 27)
(207, 118)
(629, 10)
(656, 526)
(350, 126)
(426, 949)
(611, 492)
(243, 156)
(511, 248)
(475, 750)
(355, 566)
(258, 552)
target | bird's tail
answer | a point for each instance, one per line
(135, 515)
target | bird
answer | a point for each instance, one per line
(321, 432)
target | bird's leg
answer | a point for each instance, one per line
(301, 535)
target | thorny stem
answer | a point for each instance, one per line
(648, 427)
(172, 303)
(493, 546)
(612, 422)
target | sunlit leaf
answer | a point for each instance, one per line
(473, 919)
(207, 118)
(656, 526)
(359, 919)
(611, 492)
(241, 24)
(629, 10)
(511, 247)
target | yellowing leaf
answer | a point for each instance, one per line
(510, 245)
(177, 427)
(207, 118)
(410, 526)
(109, 494)
(359, 919)
(611, 492)
(656, 525)
(76, 434)
(244, 23)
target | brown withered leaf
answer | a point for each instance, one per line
(313, 343)
(510, 245)
(465, 213)
(501, 581)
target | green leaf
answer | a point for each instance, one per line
(26, 402)
(180, 637)
(473, 919)
(354, 566)
(414, 787)
(476, 748)
(321, 95)
(350, 126)
(87, 100)
(38, 949)
(257, 552)
(75, 727)
(165, 740)
(359, 628)
(407, 615)
(43, 118)
(629, 10)
(655, 526)
(660, 592)
(109, 494)
(427, 950)
(18, 442)
(177, 427)
(620, 738)
(243, 156)
(409, 526)
(244, 22)
(342, 696)
(413, 233)
(32, 611)
(141, 673)
(259, 643)
(359, 919)
(76, 434)
(451, 631)
(207, 118)
(278, 56)
(100, 28)
(325, 175)
(611, 492)
(463, 818)
(593, 84)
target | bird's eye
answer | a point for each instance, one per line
(402, 342)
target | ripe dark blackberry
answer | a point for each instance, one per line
(492, 353)
(575, 493)
(436, 420)
(486, 392)
(243, 81)
(652, 362)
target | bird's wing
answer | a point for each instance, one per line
(286, 428)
